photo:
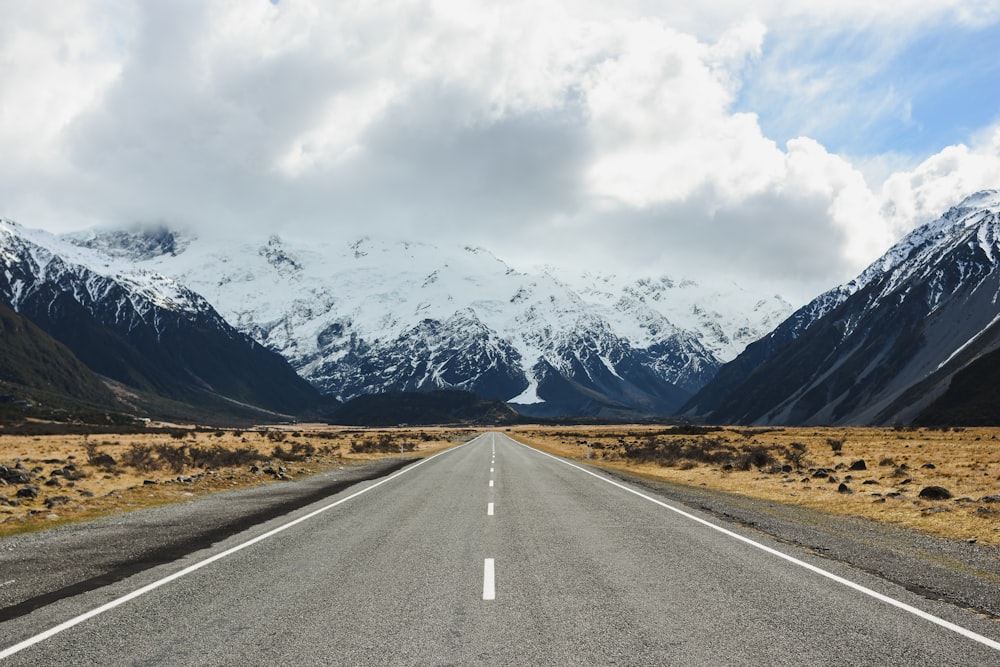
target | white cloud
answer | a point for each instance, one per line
(54, 65)
(909, 198)
(585, 132)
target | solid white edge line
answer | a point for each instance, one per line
(66, 625)
(968, 634)
(489, 584)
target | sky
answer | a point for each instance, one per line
(780, 144)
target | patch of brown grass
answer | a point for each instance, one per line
(899, 463)
(174, 465)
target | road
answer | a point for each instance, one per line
(495, 553)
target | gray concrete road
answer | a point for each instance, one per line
(585, 571)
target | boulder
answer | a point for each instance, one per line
(935, 493)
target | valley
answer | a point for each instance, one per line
(808, 467)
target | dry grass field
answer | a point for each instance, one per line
(57, 478)
(815, 467)
(78, 476)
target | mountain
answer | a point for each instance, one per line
(140, 328)
(36, 368)
(370, 316)
(883, 347)
(972, 397)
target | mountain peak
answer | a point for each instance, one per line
(877, 349)
(135, 244)
(984, 199)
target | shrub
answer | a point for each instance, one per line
(176, 458)
(140, 457)
(299, 451)
(795, 454)
(218, 456)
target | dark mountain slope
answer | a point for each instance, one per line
(890, 346)
(33, 364)
(141, 329)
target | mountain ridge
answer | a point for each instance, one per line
(369, 316)
(880, 348)
(138, 327)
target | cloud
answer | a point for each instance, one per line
(592, 133)
(909, 198)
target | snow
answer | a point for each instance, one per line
(52, 254)
(288, 294)
(529, 396)
(968, 343)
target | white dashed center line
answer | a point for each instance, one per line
(491, 483)
(489, 587)
(489, 509)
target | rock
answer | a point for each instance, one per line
(822, 472)
(929, 466)
(53, 482)
(57, 501)
(858, 465)
(870, 481)
(935, 510)
(14, 475)
(149, 482)
(103, 460)
(843, 488)
(29, 492)
(879, 500)
(984, 511)
(185, 479)
(935, 493)
(990, 499)
(908, 480)
(85, 493)
(832, 479)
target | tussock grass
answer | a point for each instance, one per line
(806, 466)
(115, 472)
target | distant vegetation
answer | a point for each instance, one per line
(420, 408)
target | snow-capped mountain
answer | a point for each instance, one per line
(139, 327)
(883, 346)
(369, 316)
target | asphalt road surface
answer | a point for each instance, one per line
(493, 553)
